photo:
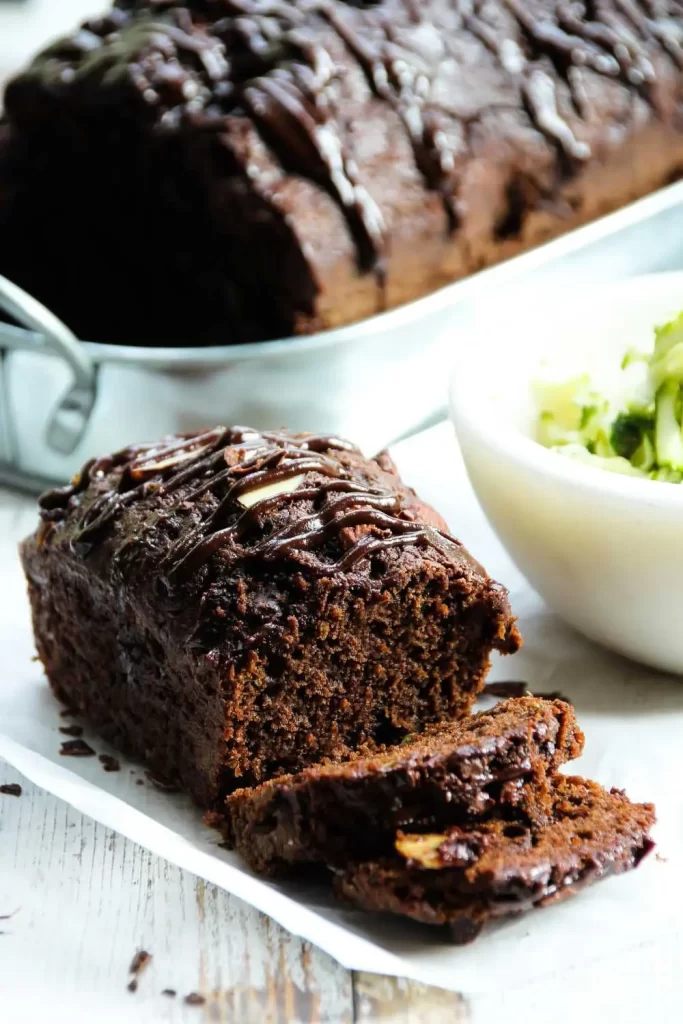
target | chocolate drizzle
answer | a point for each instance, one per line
(407, 90)
(228, 464)
(295, 112)
(278, 73)
(541, 96)
(636, 67)
(561, 46)
(654, 24)
(291, 69)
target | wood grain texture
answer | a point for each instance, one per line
(393, 1000)
(83, 900)
(86, 900)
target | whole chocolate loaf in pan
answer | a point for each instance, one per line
(250, 169)
(232, 605)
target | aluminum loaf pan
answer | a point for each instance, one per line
(63, 400)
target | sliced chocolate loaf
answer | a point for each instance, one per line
(232, 605)
(496, 760)
(476, 873)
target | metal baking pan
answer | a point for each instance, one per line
(63, 400)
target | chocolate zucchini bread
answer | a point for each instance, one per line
(487, 870)
(232, 605)
(465, 824)
(231, 170)
(495, 761)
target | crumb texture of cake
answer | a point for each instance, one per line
(466, 824)
(232, 605)
(248, 170)
(495, 761)
(473, 874)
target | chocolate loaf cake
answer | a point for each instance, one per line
(475, 874)
(249, 169)
(232, 605)
(497, 760)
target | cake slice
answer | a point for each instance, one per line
(476, 873)
(334, 812)
(232, 605)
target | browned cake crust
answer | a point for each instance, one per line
(474, 874)
(232, 605)
(339, 812)
(251, 170)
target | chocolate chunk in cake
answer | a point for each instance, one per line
(497, 759)
(232, 605)
(476, 873)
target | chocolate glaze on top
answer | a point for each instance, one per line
(291, 109)
(407, 90)
(274, 60)
(228, 463)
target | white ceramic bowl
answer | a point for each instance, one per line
(605, 551)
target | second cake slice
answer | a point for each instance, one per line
(467, 877)
(461, 826)
(496, 759)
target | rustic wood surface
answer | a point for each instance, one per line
(83, 900)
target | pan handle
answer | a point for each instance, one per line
(68, 420)
(432, 419)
